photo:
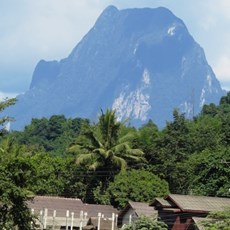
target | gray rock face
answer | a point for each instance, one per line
(141, 62)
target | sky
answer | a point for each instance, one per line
(31, 30)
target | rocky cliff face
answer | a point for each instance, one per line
(141, 62)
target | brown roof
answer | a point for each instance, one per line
(105, 210)
(162, 203)
(140, 208)
(105, 224)
(61, 205)
(199, 203)
(198, 222)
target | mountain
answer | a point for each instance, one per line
(141, 62)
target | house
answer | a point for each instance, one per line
(133, 210)
(105, 224)
(61, 213)
(180, 212)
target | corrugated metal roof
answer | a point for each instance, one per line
(142, 208)
(162, 202)
(61, 205)
(199, 203)
(198, 222)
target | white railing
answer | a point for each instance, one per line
(69, 221)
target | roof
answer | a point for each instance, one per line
(162, 203)
(140, 208)
(199, 203)
(61, 205)
(105, 224)
(198, 222)
(105, 210)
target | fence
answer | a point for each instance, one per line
(70, 221)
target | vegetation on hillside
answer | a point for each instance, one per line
(217, 220)
(144, 223)
(15, 173)
(74, 157)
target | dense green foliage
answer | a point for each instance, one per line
(103, 150)
(135, 185)
(218, 220)
(4, 120)
(15, 172)
(110, 162)
(52, 135)
(146, 223)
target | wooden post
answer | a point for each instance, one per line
(116, 220)
(67, 217)
(45, 217)
(54, 217)
(72, 218)
(85, 215)
(41, 219)
(130, 219)
(81, 219)
(99, 221)
(113, 221)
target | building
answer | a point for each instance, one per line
(181, 212)
(133, 210)
(64, 213)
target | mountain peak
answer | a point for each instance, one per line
(141, 62)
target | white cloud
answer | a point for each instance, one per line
(49, 29)
(224, 7)
(44, 29)
(4, 95)
(222, 71)
(222, 68)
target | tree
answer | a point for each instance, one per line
(15, 174)
(172, 148)
(209, 172)
(146, 140)
(101, 148)
(3, 105)
(218, 220)
(135, 185)
(225, 99)
(52, 135)
(146, 223)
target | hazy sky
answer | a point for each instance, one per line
(31, 30)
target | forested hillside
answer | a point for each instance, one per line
(109, 162)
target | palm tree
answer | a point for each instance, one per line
(103, 150)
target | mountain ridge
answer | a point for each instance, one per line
(141, 62)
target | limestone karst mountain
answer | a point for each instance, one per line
(141, 62)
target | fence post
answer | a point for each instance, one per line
(130, 219)
(41, 219)
(45, 217)
(67, 217)
(116, 220)
(113, 221)
(99, 221)
(85, 215)
(72, 218)
(81, 219)
(54, 216)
